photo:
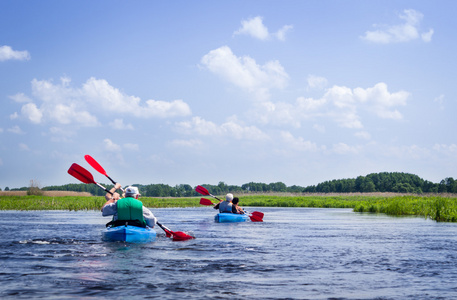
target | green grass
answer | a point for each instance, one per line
(441, 209)
(82, 203)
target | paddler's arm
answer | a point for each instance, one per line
(110, 196)
(113, 196)
(113, 199)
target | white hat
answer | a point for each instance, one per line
(132, 190)
(229, 197)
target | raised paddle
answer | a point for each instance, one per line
(97, 166)
(255, 216)
(86, 177)
(83, 175)
(205, 192)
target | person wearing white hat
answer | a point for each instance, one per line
(226, 206)
(128, 209)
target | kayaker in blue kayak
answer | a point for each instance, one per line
(227, 205)
(128, 209)
(239, 209)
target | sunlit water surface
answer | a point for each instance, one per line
(297, 253)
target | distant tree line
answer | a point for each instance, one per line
(376, 182)
(385, 182)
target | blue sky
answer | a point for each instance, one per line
(195, 92)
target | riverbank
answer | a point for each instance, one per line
(438, 208)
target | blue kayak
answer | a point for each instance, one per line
(129, 234)
(230, 218)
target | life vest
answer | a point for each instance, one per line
(130, 209)
(225, 207)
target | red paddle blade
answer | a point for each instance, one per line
(258, 214)
(204, 201)
(181, 236)
(202, 190)
(95, 164)
(81, 174)
(255, 218)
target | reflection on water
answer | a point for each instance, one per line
(301, 253)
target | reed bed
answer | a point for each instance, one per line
(441, 209)
(33, 202)
(48, 193)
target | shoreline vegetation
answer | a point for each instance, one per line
(438, 207)
(393, 182)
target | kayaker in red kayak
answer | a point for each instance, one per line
(128, 209)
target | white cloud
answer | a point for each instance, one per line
(281, 33)
(15, 129)
(363, 135)
(279, 113)
(14, 116)
(446, 149)
(341, 104)
(120, 125)
(299, 143)
(319, 128)
(381, 101)
(316, 82)
(245, 73)
(64, 104)
(229, 129)
(7, 53)
(20, 98)
(405, 32)
(347, 119)
(283, 113)
(377, 100)
(111, 146)
(342, 148)
(255, 28)
(31, 112)
(427, 36)
(100, 92)
(341, 96)
(66, 114)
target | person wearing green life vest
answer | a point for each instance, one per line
(129, 209)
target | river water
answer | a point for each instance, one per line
(296, 253)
